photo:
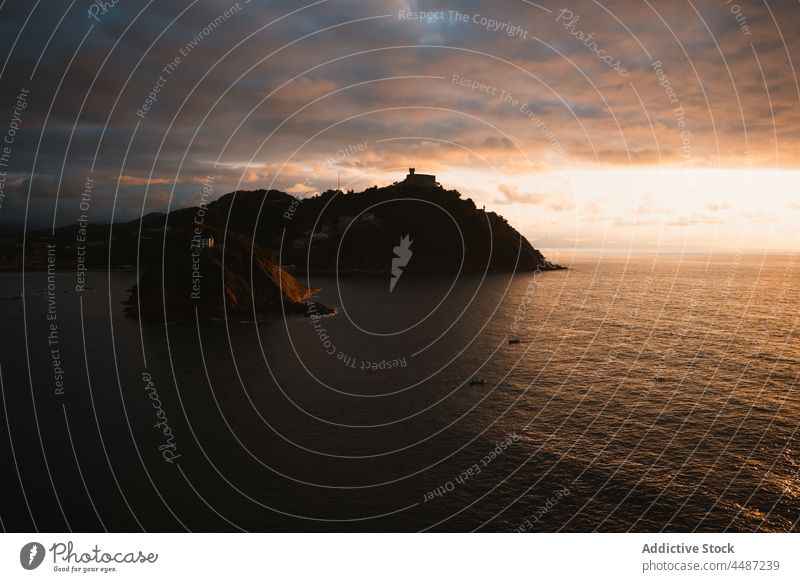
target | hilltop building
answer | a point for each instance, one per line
(420, 179)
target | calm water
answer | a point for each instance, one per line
(646, 393)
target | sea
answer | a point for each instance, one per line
(632, 392)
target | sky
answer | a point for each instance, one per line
(669, 125)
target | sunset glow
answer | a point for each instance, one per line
(604, 126)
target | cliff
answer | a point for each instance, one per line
(193, 277)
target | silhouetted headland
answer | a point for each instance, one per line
(233, 257)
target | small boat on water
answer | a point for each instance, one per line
(477, 381)
(513, 341)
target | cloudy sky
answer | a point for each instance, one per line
(589, 124)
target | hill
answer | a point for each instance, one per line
(356, 232)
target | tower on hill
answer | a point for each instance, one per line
(420, 179)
